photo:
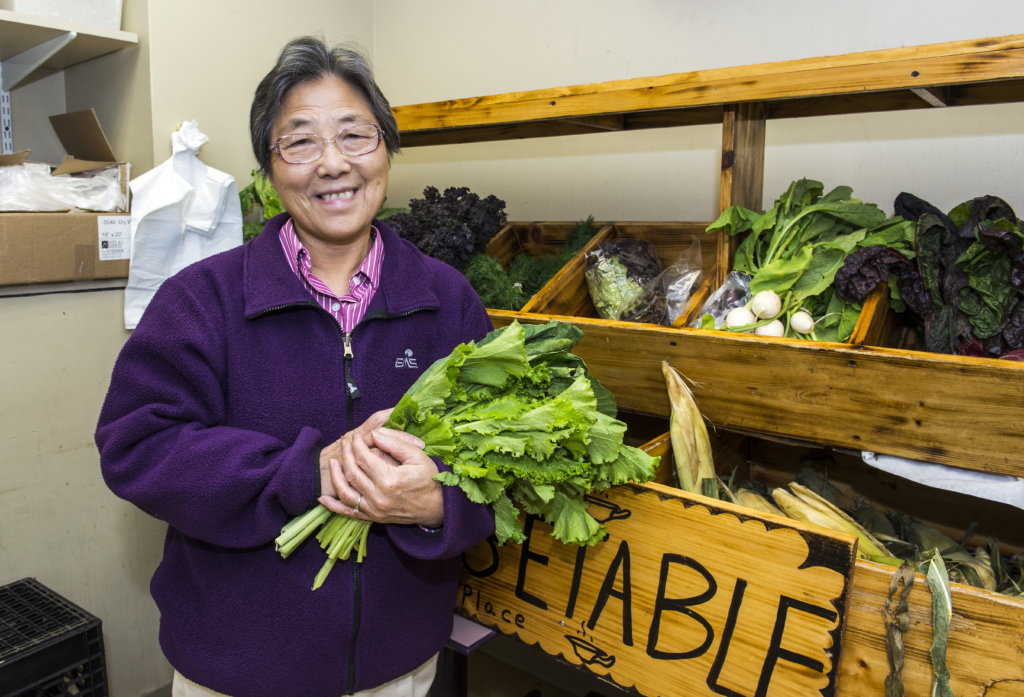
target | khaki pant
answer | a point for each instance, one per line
(414, 684)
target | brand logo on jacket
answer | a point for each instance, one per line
(406, 361)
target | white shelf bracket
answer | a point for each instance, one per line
(6, 129)
(17, 68)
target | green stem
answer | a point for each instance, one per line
(322, 574)
(781, 239)
(296, 531)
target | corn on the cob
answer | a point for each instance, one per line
(801, 503)
(691, 445)
(746, 496)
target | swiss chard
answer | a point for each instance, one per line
(964, 281)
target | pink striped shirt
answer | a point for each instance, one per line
(347, 310)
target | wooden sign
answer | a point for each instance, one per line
(686, 596)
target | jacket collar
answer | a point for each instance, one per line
(269, 283)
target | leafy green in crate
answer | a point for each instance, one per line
(508, 288)
(794, 250)
(961, 285)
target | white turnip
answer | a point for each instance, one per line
(773, 328)
(766, 304)
(739, 317)
(802, 322)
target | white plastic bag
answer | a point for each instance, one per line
(182, 211)
(31, 187)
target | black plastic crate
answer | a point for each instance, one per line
(49, 647)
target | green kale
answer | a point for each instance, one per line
(509, 288)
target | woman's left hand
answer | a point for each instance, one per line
(390, 482)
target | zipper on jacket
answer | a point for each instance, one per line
(357, 586)
(350, 384)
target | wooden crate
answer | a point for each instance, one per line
(537, 239)
(953, 410)
(567, 293)
(986, 643)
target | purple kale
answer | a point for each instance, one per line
(865, 268)
(452, 226)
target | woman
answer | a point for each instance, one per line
(257, 383)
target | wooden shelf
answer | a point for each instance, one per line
(983, 71)
(32, 47)
(952, 410)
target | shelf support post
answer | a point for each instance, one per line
(742, 176)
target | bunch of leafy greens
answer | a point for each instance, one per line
(796, 248)
(524, 428)
(963, 281)
(452, 226)
(509, 288)
(261, 193)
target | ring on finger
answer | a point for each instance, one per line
(355, 509)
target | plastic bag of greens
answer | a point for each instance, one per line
(734, 292)
(618, 275)
(678, 282)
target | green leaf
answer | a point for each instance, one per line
(734, 220)
(782, 273)
(942, 612)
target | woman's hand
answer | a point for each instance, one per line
(361, 432)
(384, 476)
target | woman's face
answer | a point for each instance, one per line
(333, 199)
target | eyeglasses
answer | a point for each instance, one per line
(303, 148)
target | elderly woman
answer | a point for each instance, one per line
(257, 384)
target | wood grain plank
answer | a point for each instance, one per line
(929, 66)
(904, 403)
(985, 653)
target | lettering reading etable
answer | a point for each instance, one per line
(686, 595)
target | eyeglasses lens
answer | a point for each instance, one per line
(301, 148)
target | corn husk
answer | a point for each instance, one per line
(820, 485)
(691, 445)
(897, 622)
(942, 613)
(873, 520)
(800, 503)
(746, 496)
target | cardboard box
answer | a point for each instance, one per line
(51, 247)
(55, 247)
(87, 150)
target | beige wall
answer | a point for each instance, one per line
(57, 520)
(460, 48)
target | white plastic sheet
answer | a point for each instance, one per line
(182, 211)
(985, 485)
(31, 187)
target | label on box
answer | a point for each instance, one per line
(115, 237)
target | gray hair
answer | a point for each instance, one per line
(307, 59)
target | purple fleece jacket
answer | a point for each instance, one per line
(219, 404)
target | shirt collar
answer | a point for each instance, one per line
(299, 262)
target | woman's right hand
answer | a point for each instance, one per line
(361, 432)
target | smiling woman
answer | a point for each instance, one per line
(258, 383)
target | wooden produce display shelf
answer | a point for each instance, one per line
(982, 71)
(864, 395)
